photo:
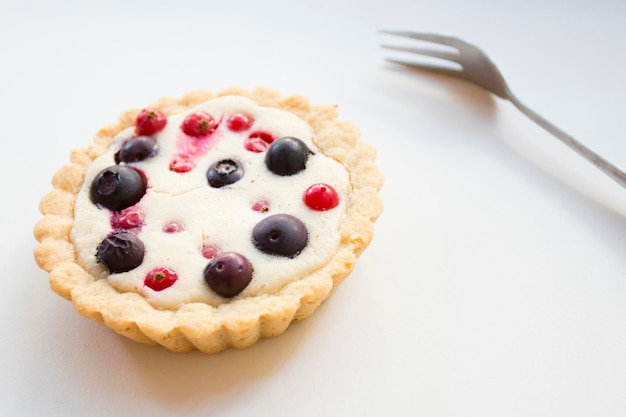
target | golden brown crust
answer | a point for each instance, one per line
(242, 322)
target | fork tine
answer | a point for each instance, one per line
(429, 68)
(428, 37)
(449, 56)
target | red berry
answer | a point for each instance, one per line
(258, 141)
(172, 227)
(321, 197)
(239, 122)
(160, 278)
(209, 251)
(261, 206)
(198, 124)
(149, 121)
(130, 218)
(181, 165)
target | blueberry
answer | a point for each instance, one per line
(121, 252)
(287, 156)
(224, 172)
(228, 274)
(280, 234)
(117, 187)
(136, 149)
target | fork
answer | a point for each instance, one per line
(477, 68)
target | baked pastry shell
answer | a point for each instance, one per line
(240, 322)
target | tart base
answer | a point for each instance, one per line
(240, 322)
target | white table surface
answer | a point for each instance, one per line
(496, 283)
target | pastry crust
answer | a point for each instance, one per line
(240, 322)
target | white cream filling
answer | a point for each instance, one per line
(215, 216)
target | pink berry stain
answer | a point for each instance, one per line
(198, 134)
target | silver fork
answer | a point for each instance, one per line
(477, 68)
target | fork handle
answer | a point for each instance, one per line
(605, 166)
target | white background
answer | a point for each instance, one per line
(496, 283)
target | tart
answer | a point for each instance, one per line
(210, 221)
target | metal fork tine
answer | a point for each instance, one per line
(428, 37)
(430, 68)
(449, 56)
(477, 68)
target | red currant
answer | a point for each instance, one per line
(258, 141)
(181, 166)
(261, 206)
(160, 278)
(172, 227)
(209, 251)
(198, 124)
(130, 218)
(321, 197)
(239, 122)
(149, 121)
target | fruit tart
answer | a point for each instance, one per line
(210, 221)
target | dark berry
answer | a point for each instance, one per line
(160, 278)
(117, 187)
(228, 274)
(120, 252)
(198, 124)
(280, 234)
(321, 197)
(258, 141)
(287, 156)
(223, 173)
(137, 149)
(149, 122)
(239, 122)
